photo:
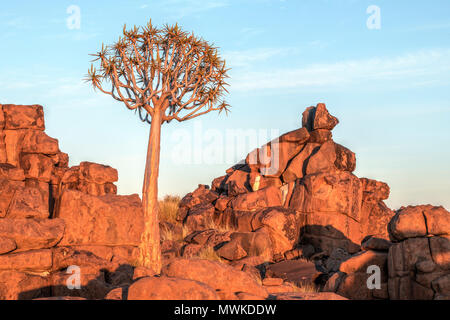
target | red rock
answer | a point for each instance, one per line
(440, 251)
(142, 272)
(218, 184)
(231, 251)
(164, 288)
(93, 286)
(8, 190)
(10, 172)
(375, 218)
(407, 223)
(275, 156)
(345, 159)
(255, 244)
(37, 166)
(323, 160)
(268, 197)
(272, 281)
(320, 136)
(39, 142)
(199, 217)
(329, 192)
(237, 183)
(106, 220)
(372, 243)
(16, 285)
(362, 260)
(28, 202)
(374, 191)
(318, 118)
(299, 136)
(31, 261)
(214, 274)
(297, 166)
(222, 203)
(24, 117)
(31, 234)
(7, 245)
(98, 173)
(282, 227)
(437, 220)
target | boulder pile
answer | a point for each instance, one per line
(297, 189)
(53, 216)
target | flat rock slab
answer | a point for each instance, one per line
(307, 296)
(300, 272)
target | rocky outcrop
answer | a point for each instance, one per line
(53, 216)
(419, 259)
(414, 266)
(298, 189)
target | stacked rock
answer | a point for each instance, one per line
(298, 188)
(53, 216)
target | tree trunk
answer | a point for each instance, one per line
(150, 251)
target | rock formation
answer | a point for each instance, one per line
(290, 222)
(53, 216)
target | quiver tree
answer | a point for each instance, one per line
(163, 74)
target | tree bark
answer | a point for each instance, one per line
(150, 251)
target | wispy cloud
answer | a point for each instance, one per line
(422, 68)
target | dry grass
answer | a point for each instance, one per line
(305, 288)
(173, 235)
(168, 208)
(208, 253)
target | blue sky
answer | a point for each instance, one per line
(390, 87)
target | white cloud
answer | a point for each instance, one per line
(412, 69)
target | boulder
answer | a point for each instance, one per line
(37, 166)
(15, 285)
(374, 191)
(23, 117)
(282, 226)
(214, 274)
(296, 168)
(98, 173)
(164, 288)
(318, 118)
(415, 264)
(106, 220)
(263, 198)
(345, 159)
(34, 141)
(419, 221)
(28, 202)
(9, 172)
(237, 182)
(37, 261)
(323, 160)
(29, 234)
(254, 244)
(320, 136)
(373, 243)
